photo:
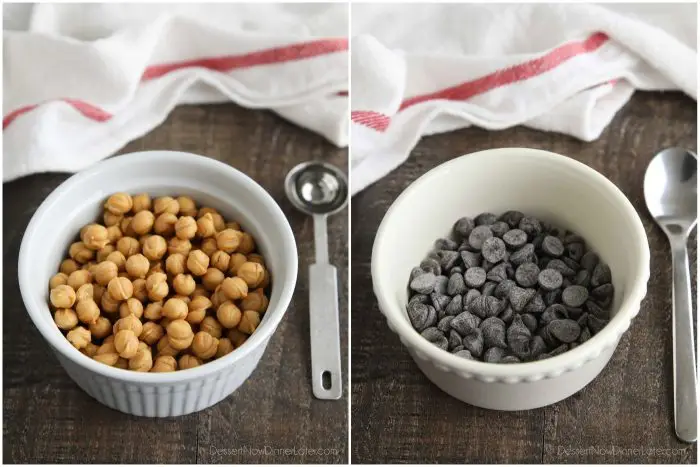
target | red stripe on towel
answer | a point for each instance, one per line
(509, 75)
(227, 63)
(374, 120)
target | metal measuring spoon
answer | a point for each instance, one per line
(670, 191)
(320, 189)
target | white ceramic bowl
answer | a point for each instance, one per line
(550, 186)
(78, 201)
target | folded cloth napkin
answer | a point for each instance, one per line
(424, 69)
(82, 80)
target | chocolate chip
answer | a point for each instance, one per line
(589, 261)
(418, 315)
(595, 324)
(552, 313)
(487, 265)
(502, 290)
(494, 355)
(573, 238)
(552, 246)
(441, 284)
(484, 306)
(499, 228)
(420, 298)
(585, 335)
(470, 259)
(474, 342)
(456, 270)
(456, 285)
(565, 330)
(515, 238)
(560, 265)
(446, 244)
(485, 218)
(471, 295)
(507, 315)
(583, 278)
(430, 265)
(494, 332)
(464, 246)
(464, 354)
(465, 321)
(523, 255)
(595, 310)
(512, 218)
(574, 313)
(447, 259)
(549, 279)
(552, 297)
(435, 337)
(479, 235)
(475, 277)
(463, 227)
(453, 339)
(498, 273)
(602, 292)
(537, 347)
(425, 283)
(583, 320)
(444, 324)
(535, 305)
(415, 272)
(601, 275)
(543, 261)
(527, 274)
(493, 249)
(439, 300)
(519, 297)
(575, 251)
(455, 306)
(574, 265)
(519, 337)
(530, 225)
(488, 289)
(574, 296)
(530, 321)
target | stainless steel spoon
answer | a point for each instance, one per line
(670, 191)
(320, 189)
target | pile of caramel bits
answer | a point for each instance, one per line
(158, 285)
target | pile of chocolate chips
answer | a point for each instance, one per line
(509, 289)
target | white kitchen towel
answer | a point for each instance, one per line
(82, 80)
(420, 69)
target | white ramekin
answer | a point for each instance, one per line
(78, 201)
(541, 183)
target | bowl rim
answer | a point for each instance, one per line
(60, 343)
(566, 361)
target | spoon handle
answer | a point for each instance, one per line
(323, 320)
(684, 377)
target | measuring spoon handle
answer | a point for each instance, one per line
(325, 332)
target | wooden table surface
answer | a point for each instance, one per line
(48, 418)
(624, 415)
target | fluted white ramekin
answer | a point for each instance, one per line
(79, 200)
(553, 187)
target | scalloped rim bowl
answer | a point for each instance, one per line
(553, 187)
(78, 201)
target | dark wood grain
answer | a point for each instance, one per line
(47, 418)
(624, 416)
